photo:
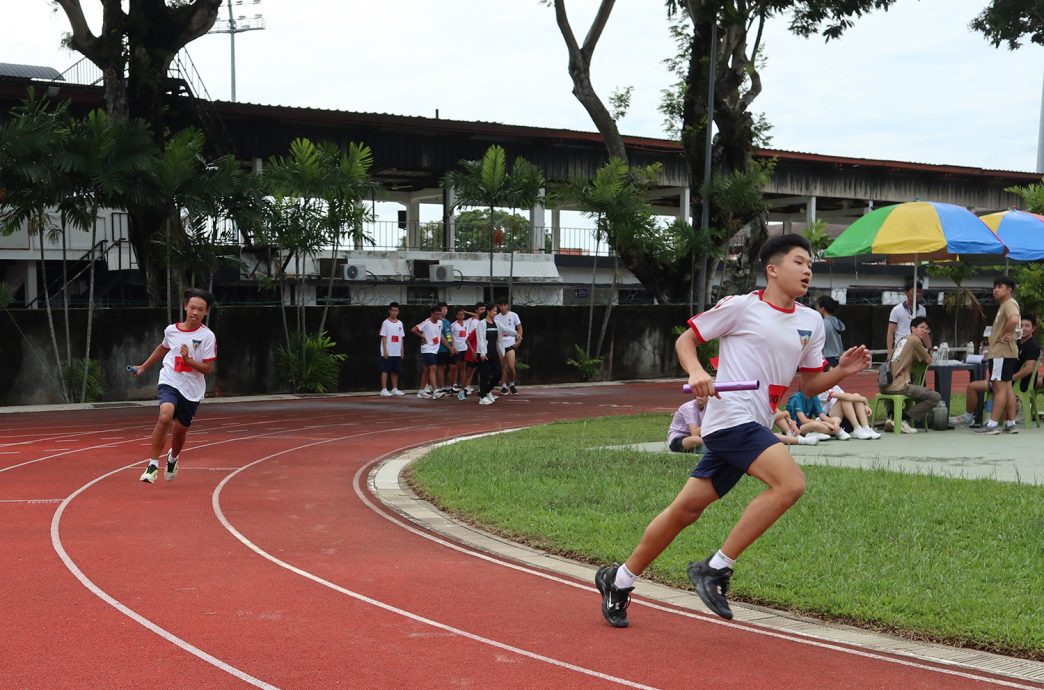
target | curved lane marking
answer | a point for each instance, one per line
(799, 638)
(216, 503)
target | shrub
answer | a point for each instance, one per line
(310, 363)
(74, 374)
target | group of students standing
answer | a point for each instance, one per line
(484, 340)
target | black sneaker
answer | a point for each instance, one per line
(503, 390)
(172, 467)
(511, 386)
(712, 584)
(150, 474)
(614, 600)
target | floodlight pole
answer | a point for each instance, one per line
(249, 24)
(1040, 135)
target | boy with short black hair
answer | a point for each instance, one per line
(430, 332)
(511, 334)
(765, 336)
(188, 351)
(392, 336)
(1004, 356)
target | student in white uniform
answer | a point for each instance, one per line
(511, 332)
(764, 336)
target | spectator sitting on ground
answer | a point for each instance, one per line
(811, 419)
(684, 434)
(1029, 353)
(912, 348)
(852, 410)
(788, 433)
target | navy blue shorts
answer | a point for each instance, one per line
(430, 359)
(730, 453)
(184, 409)
(391, 365)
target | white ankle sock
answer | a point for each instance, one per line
(153, 462)
(990, 424)
(624, 578)
(720, 560)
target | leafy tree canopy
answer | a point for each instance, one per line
(1011, 21)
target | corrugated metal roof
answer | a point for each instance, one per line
(8, 69)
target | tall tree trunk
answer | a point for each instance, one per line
(50, 318)
(330, 284)
(90, 305)
(607, 314)
(580, 73)
(65, 292)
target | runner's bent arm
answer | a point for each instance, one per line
(158, 354)
(699, 380)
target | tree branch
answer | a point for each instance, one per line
(82, 39)
(597, 26)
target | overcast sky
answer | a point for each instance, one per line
(911, 84)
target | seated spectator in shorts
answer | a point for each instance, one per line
(851, 410)
(788, 433)
(684, 434)
(912, 348)
(1029, 353)
(812, 420)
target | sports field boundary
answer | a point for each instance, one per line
(387, 484)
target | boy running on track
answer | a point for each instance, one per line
(511, 330)
(188, 351)
(765, 336)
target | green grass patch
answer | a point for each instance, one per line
(953, 560)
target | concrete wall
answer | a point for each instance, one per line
(639, 343)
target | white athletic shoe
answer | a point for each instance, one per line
(842, 435)
(807, 440)
(397, 393)
(906, 428)
(819, 436)
(488, 400)
(873, 433)
(861, 434)
(439, 394)
(965, 419)
(385, 393)
(423, 394)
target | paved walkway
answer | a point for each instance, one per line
(959, 453)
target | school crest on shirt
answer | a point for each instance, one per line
(196, 344)
(805, 336)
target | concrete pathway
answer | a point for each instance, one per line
(960, 453)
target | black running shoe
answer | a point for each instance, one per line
(150, 474)
(614, 599)
(712, 584)
(503, 389)
(512, 388)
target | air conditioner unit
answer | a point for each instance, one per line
(441, 273)
(353, 272)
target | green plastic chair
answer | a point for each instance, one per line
(917, 375)
(1030, 409)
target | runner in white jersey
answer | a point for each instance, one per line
(188, 351)
(765, 336)
(511, 332)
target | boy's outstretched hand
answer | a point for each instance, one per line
(854, 360)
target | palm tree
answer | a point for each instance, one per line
(488, 183)
(623, 216)
(31, 181)
(318, 195)
(109, 161)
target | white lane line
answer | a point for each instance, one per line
(795, 637)
(30, 500)
(56, 542)
(216, 503)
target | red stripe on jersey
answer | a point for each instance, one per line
(695, 330)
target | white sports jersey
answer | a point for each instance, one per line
(901, 315)
(432, 336)
(758, 341)
(460, 335)
(509, 324)
(393, 334)
(202, 346)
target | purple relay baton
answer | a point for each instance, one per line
(726, 386)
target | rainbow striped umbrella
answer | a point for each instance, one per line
(1022, 232)
(917, 231)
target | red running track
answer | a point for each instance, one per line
(267, 563)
